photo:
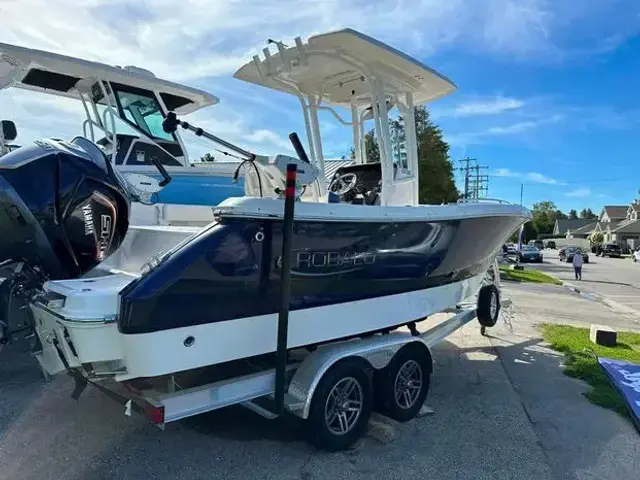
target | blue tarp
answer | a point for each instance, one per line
(625, 377)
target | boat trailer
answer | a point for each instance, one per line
(333, 387)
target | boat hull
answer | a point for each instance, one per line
(214, 297)
(163, 352)
(231, 270)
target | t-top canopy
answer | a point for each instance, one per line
(64, 76)
(336, 65)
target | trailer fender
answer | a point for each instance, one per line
(375, 353)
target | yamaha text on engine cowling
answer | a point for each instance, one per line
(63, 210)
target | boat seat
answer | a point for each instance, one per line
(373, 198)
(8, 133)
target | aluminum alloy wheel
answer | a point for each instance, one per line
(493, 305)
(343, 406)
(408, 384)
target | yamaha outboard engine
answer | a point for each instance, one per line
(63, 210)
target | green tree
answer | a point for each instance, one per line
(437, 184)
(596, 238)
(398, 141)
(208, 158)
(371, 148)
(545, 214)
(573, 215)
(529, 233)
(587, 214)
(435, 170)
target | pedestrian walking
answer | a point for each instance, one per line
(578, 261)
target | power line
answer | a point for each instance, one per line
(476, 183)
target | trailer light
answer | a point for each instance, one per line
(154, 414)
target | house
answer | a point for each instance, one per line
(613, 213)
(620, 224)
(582, 232)
(561, 227)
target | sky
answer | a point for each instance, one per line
(547, 89)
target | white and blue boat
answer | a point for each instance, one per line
(124, 109)
(288, 267)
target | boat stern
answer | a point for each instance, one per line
(75, 321)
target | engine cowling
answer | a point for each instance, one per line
(62, 207)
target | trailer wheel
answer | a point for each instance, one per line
(488, 305)
(341, 406)
(402, 386)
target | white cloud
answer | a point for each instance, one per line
(579, 192)
(520, 127)
(510, 129)
(489, 106)
(38, 115)
(533, 177)
(520, 27)
(195, 40)
(269, 136)
(540, 178)
(190, 39)
(505, 172)
(517, 128)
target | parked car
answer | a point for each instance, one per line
(551, 244)
(609, 250)
(537, 243)
(511, 249)
(566, 254)
(529, 253)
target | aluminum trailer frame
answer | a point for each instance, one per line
(378, 350)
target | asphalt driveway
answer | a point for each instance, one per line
(502, 410)
(617, 279)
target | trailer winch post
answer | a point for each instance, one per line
(285, 288)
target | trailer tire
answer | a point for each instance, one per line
(488, 305)
(331, 425)
(410, 365)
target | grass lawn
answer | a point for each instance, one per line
(580, 364)
(532, 276)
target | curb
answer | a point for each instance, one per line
(597, 297)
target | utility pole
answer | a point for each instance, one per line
(466, 168)
(476, 184)
(521, 192)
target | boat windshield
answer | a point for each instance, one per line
(141, 109)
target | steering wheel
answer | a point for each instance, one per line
(343, 184)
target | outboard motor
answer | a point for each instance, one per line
(63, 210)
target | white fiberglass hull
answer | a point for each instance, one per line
(214, 298)
(92, 341)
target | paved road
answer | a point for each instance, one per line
(618, 279)
(580, 440)
(478, 431)
(503, 410)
